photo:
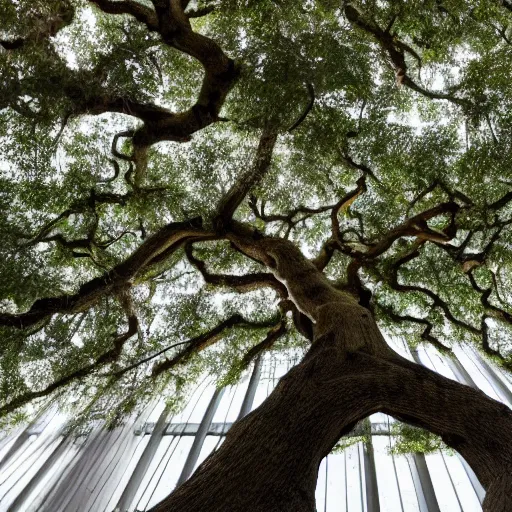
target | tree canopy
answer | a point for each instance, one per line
(138, 136)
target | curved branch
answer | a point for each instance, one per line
(248, 180)
(485, 341)
(199, 343)
(325, 255)
(107, 357)
(395, 51)
(288, 218)
(343, 204)
(452, 195)
(167, 240)
(84, 205)
(494, 311)
(434, 95)
(347, 159)
(115, 151)
(272, 336)
(243, 283)
(503, 201)
(220, 74)
(199, 13)
(417, 226)
(307, 110)
(139, 11)
(426, 334)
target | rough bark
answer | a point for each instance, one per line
(270, 458)
(155, 248)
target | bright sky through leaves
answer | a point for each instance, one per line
(391, 167)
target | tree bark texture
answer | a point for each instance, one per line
(269, 460)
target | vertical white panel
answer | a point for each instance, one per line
(126, 473)
(445, 494)
(164, 451)
(388, 486)
(406, 484)
(169, 473)
(50, 480)
(110, 475)
(336, 489)
(229, 406)
(475, 373)
(150, 444)
(500, 387)
(210, 444)
(465, 491)
(354, 489)
(321, 487)
(17, 474)
(7, 440)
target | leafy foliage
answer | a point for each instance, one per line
(114, 127)
(415, 440)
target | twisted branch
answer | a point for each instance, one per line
(167, 240)
(244, 283)
(199, 343)
(106, 358)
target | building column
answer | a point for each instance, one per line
(142, 465)
(199, 438)
(251, 389)
(370, 477)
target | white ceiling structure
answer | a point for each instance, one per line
(133, 467)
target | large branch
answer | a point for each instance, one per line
(396, 52)
(107, 357)
(415, 226)
(199, 343)
(244, 283)
(131, 7)
(307, 287)
(165, 240)
(248, 180)
(220, 74)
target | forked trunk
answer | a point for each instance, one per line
(269, 460)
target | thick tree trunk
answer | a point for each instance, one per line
(269, 461)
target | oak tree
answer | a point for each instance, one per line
(188, 184)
